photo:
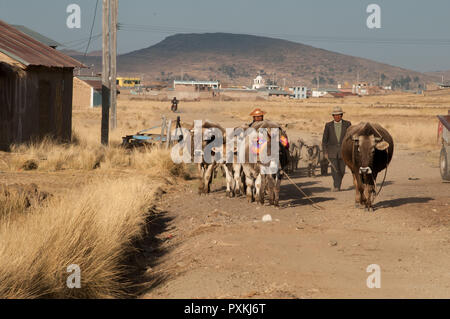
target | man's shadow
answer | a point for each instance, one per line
(294, 197)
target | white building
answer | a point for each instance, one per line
(258, 83)
(319, 92)
(299, 92)
(196, 85)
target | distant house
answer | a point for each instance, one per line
(272, 87)
(87, 91)
(345, 87)
(35, 89)
(127, 82)
(196, 86)
(299, 92)
(321, 92)
(361, 88)
(279, 93)
(445, 85)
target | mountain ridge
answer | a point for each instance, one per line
(238, 58)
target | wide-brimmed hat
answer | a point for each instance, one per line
(337, 110)
(257, 112)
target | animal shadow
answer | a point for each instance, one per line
(402, 201)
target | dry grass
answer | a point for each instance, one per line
(93, 228)
(82, 155)
(11, 204)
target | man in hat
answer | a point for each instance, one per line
(258, 116)
(174, 106)
(331, 143)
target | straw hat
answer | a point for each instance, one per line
(337, 110)
(257, 112)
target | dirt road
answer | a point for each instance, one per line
(215, 247)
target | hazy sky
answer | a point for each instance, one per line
(414, 34)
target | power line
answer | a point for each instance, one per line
(81, 45)
(92, 28)
(337, 39)
(79, 40)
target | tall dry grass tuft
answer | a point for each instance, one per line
(48, 155)
(12, 204)
(155, 161)
(92, 228)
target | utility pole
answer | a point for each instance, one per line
(106, 81)
(113, 29)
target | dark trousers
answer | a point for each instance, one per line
(339, 165)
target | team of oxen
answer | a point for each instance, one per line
(367, 149)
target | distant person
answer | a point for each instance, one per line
(331, 143)
(174, 106)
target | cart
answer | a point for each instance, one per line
(148, 138)
(444, 139)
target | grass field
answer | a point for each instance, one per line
(411, 119)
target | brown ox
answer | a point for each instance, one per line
(367, 149)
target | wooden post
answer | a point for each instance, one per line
(113, 30)
(106, 85)
(163, 128)
(168, 134)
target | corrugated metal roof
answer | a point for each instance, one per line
(37, 36)
(26, 50)
(93, 81)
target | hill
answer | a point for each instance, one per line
(440, 74)
(237, 58)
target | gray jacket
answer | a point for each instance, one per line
(330, 143)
